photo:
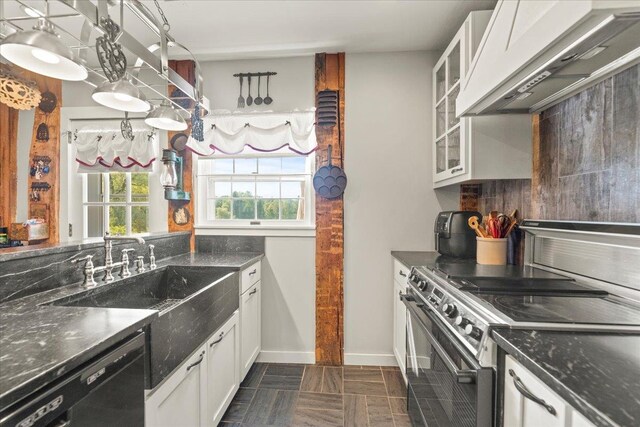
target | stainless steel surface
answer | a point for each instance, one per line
(168, 303)
(109, 265)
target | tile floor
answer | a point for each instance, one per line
(324, 396)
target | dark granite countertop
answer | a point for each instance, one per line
(415, 258)
(39, 343)
(596, 373)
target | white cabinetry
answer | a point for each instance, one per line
(198, 392)
(400, 273)
(528, 402)
(223, 369)
(473, 148)
(250, 317)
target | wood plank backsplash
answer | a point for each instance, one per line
(586, 162)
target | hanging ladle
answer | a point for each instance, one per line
(258, 100)
(268, 100)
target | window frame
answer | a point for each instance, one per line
(307, 223)
(105, 203)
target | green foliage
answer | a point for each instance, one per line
(139, 194)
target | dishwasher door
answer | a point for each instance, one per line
(107, 391)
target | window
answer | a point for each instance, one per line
(265, 190)
(120, 200)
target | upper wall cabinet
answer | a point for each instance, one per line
(536, 53)
(478, 148)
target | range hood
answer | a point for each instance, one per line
(598, 44)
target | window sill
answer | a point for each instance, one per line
(248, 230)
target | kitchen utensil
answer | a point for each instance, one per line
(330, 181)
(258, 100)
(327, 108)
(249, 97)
(268, 100)
(241, 98)
(477, 227)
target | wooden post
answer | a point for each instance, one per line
(184, 211)
(8, 167)
(330, 224)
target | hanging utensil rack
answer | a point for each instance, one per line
(263, 74)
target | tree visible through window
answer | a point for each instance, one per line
(254, 190)
(118, 199)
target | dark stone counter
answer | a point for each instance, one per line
(415, 258)
(596, 373)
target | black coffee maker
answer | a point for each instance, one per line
(454, 237)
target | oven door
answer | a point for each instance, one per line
(446, 385)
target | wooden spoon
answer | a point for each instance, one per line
(477, 227)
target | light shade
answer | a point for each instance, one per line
(121, 95)
(39, 50)
(165, 117)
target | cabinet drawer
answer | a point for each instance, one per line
(549, 410)
(400, 272)
(250, 275)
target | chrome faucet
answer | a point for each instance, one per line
(89, 270)
(152, 258)
(109, 265)
(124, 269)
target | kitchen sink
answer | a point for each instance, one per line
(193, 302)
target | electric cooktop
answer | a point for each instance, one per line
(528, 285)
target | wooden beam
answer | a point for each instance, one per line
(330, 224)
(8, 164)
(180, 209)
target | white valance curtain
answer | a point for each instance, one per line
(263, 132)
(108, 151)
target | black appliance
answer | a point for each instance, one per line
(107, 391)
(454, 237)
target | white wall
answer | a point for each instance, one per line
(288, 270)
(389, 201)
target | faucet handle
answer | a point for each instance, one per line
(152, 257)
(125, 254)
(151, 249)
(140, 264)
(88, 258)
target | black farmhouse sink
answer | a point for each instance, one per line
(193, 302)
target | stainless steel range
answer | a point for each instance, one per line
(454, 304)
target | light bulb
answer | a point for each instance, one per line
(45, 56)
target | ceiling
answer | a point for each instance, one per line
(215, 30)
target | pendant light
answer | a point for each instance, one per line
(41, 51)
(121, 95)
(165, 117)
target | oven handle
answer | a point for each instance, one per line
(464, 376)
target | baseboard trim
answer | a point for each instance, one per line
(370, 359)
(307, 357)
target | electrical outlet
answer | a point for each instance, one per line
(70, 230)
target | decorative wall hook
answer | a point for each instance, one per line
(42, 133)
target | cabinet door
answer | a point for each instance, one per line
(399, 328)
(251, 328)
(223, 369)
(179, 400)
(520, 407)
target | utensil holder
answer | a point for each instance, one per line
(491, 251)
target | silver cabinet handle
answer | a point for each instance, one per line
(218, 340)
(196, 363)
(251, 273)
(526, 393)
(456, 170)
(403, 274)
(253, 291)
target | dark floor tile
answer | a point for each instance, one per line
(320, 401)
(312, 379)
(355, 411)
(398, 405)
(402, 420)
(317, 418)
(254, 375)
(283, 408)
(365, 388)
(271, 407)
(363, 375)
(379, 411)
(235, 412)
(395, 384)
(280, 382)
(285, 370)
(229, 424)
(332, 379)
(244, 395)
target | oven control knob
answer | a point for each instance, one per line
(423, 285)
(473, 331)
(450, 309)
(462, 322)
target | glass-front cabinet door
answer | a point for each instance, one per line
(449, 149)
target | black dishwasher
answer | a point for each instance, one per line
(107, 391)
